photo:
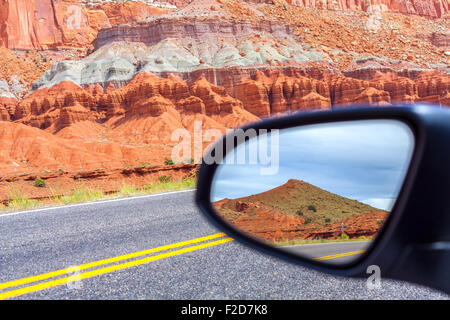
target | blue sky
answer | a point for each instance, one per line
(361, 160)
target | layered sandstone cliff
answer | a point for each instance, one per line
(92, 127)
(145, 96)
(196, 28)
(290, 90)
(28, 24)
(286, 60)
(223, 63)
(221, 93)
(182, 45)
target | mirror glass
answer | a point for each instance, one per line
(320, 191)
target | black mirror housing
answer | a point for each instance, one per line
(414, 243)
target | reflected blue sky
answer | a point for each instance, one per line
(361, 160)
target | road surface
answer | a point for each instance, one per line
(335, 252)
(154, 247)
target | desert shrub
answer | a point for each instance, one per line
(307, 221)
(40, 183)
(299, 212)
(19, 200)
(165, 179)
(168, 162)
(362, 238)
(327, 220)
(312, 208)
(145, 165)
(345, 236)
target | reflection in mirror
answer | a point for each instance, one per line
(320, 191)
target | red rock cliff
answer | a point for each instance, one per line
(28, 24)
(41, 24)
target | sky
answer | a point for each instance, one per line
(361, 160)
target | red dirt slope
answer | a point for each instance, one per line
(284, 213)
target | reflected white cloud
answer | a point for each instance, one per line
(385, 204)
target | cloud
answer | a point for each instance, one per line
(380, 203)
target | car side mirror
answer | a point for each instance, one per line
(339, 191)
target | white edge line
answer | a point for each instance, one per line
(94, 202)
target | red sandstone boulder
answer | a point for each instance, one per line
(374, 97)
(215, 98)
(7, 108)
(254, 96)
(128, 12)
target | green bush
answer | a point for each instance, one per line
(299, 212)
(40, 183)
(327, 220)
(307, 221)
(345, 236)
(165, 179)
(168, 162)
(312, 208)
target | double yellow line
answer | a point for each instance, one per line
(29, 287)
(96, 272)
(338, 255)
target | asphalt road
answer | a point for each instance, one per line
(335, 252)
(37, 247)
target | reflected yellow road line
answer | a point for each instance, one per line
(338, 255)
(96, 272)
(105, 261)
